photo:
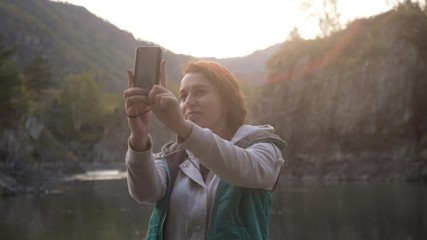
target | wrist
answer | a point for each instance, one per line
(139, 144)
(184, 130)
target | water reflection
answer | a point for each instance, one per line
(98, 175)
(104, 210)
(83, 210)
(350, 211)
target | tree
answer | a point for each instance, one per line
(326, 13)
(294, 35)
(408, 4)
(80, 102)
(14, 101)
(329, 21)
(38, 77)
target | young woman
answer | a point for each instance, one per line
(216, 181)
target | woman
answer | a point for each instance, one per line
(216, 181)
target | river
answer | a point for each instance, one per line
(98, 206)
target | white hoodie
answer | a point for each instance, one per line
(192, 198)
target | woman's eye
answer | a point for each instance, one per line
(199, 92)
(183, 97)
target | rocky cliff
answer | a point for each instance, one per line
(353, 105)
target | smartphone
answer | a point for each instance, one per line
(147, 67)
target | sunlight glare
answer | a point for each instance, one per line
(218, 28)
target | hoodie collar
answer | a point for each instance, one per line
(246, 130)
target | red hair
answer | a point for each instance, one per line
(228, 89)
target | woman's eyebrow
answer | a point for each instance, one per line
(200, 86)
(194, 87)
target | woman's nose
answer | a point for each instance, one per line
(190, 100)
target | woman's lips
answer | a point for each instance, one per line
(192, 114)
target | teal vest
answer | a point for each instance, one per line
(238, 213)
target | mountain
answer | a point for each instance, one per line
(353, 105)
(251, 68)
(74, 40)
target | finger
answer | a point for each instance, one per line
(156, 98)
(162, 74)
(133, 100)
(130, 79)
(155, 91)
(136, 103)
(165, 100)
(133, 91)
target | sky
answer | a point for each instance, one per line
(218, 28)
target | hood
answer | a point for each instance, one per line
(246, 130)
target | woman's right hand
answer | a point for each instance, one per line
(139, 115)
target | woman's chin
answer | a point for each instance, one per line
(193, 117)
(197, 121)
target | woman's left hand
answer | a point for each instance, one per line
(165, 106)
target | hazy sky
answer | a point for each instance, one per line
(217, 28)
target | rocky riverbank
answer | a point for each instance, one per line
(24, 179)
(37, 179)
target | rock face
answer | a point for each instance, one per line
(354, 105)
(31, 156)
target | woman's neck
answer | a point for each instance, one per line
(225, 133)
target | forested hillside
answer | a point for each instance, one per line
(353, 105)
(62, 73)
(73, 41)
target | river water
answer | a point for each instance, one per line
(98, 206)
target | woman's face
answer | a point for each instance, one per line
(201, 103)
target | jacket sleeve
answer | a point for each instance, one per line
(255, 167)
(146, 177)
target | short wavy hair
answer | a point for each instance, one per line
(228, 88)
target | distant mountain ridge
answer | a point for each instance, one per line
(74, 40)
(252, 67)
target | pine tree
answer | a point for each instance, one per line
(38, 77)
(14, 101)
